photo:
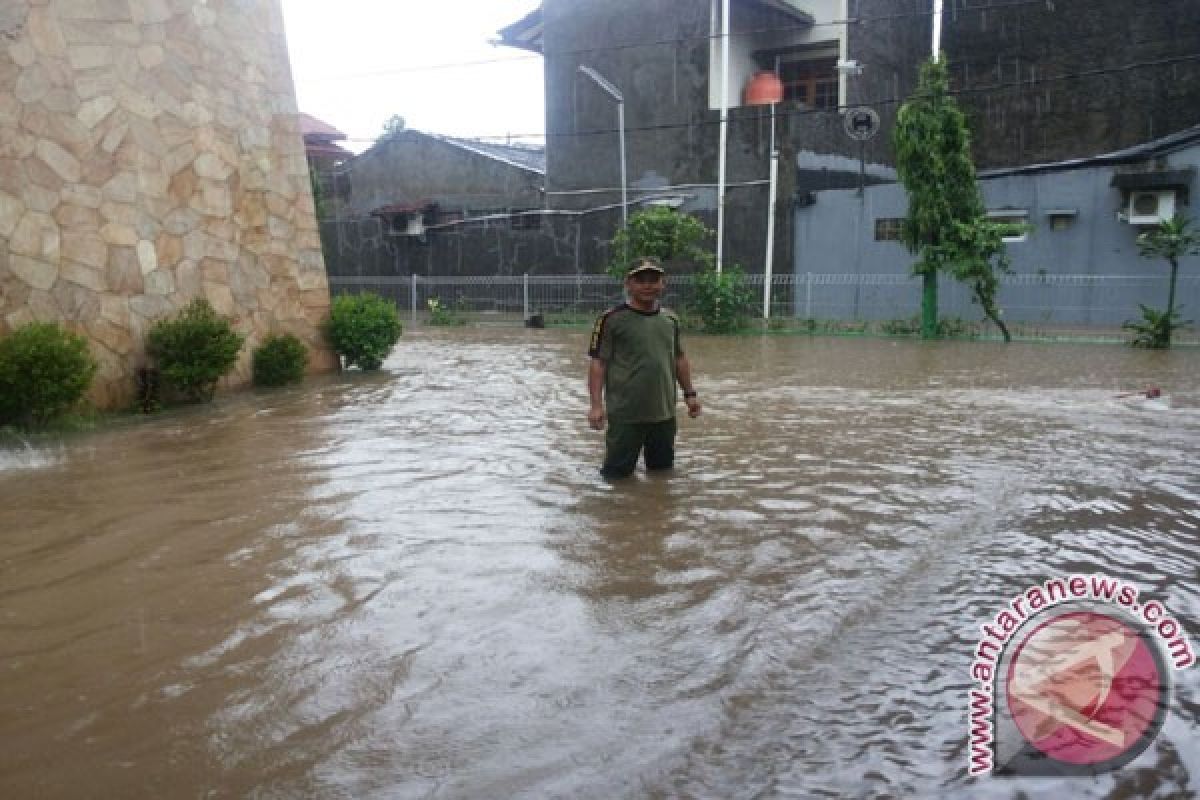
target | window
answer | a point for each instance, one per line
(887, 229)
(1017, 218)
(811, 81)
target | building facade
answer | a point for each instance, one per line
(1039, 81)
(150, 154)
(1082, 219)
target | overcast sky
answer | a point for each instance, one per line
(358, 62)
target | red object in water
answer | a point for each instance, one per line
(1153, 392)
(764, 89)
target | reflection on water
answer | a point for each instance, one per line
(415, 584)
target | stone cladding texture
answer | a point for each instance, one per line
(150, 154)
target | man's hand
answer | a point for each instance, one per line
(693, 405)
(596, 418)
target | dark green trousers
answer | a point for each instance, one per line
(625, 441)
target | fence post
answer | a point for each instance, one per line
(412, 297)
(808, 295)
(525, 296)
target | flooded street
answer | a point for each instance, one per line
(414, 584)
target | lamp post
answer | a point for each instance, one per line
(765, 88)
(615, 93)
(938, 6)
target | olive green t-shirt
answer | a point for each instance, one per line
(638, 349)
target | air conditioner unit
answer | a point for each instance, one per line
(1150, 207)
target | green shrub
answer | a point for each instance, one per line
(363, 329)
(901, 327)
(664, 233)
(721, 300)
(442, 314)
(280, 360)
(194, 349)
(1153, 331)
(44, 370)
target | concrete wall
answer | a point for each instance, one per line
(1030, 115)
(361, 247)
(150, 154)
(673, 131)
(836, 235)
(413, 167)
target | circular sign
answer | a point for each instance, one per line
(861, 123)
(1087, 689)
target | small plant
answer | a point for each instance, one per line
(280, 360)
(363, 329)
(44, 371)
(1154, 330)
(442, 314)
(194, 349)
(957, 327)
(721, 299)
(1172, 240)
(901, 327)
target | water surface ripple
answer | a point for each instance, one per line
(414, 583)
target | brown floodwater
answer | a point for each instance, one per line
(414, 584)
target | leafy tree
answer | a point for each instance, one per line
(1171, 240)
(661, 232)
(946, 227)
(393, 126)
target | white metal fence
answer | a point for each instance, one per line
(1032, 304)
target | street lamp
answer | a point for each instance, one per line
(764, 89)
(615, 93)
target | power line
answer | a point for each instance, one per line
(862, 20)
(996, 87)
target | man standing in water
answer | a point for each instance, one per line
(637, 359)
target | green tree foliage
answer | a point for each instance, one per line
(946, 227)
(363, 329)
(44, 371)
(194, 349)
(393, 126)
(280, 360)
(664, 233)
(1171, 240)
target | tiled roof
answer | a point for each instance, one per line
(525, 33)
(528, 157)
(311, 126)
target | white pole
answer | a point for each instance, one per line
(771, 191)
(412, 299)
(937, 28)
(724, 133)
(624, 181)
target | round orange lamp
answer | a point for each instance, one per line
(764, 89)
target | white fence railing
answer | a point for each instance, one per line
(1038, 303)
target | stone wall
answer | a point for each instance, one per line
(150, 154)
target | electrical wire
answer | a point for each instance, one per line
(877, 104)
(862, 20)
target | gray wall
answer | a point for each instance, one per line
(412, 167)
(836, 235)
(561, 244)
(1031, 114)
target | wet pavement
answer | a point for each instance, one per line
(415, 584)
